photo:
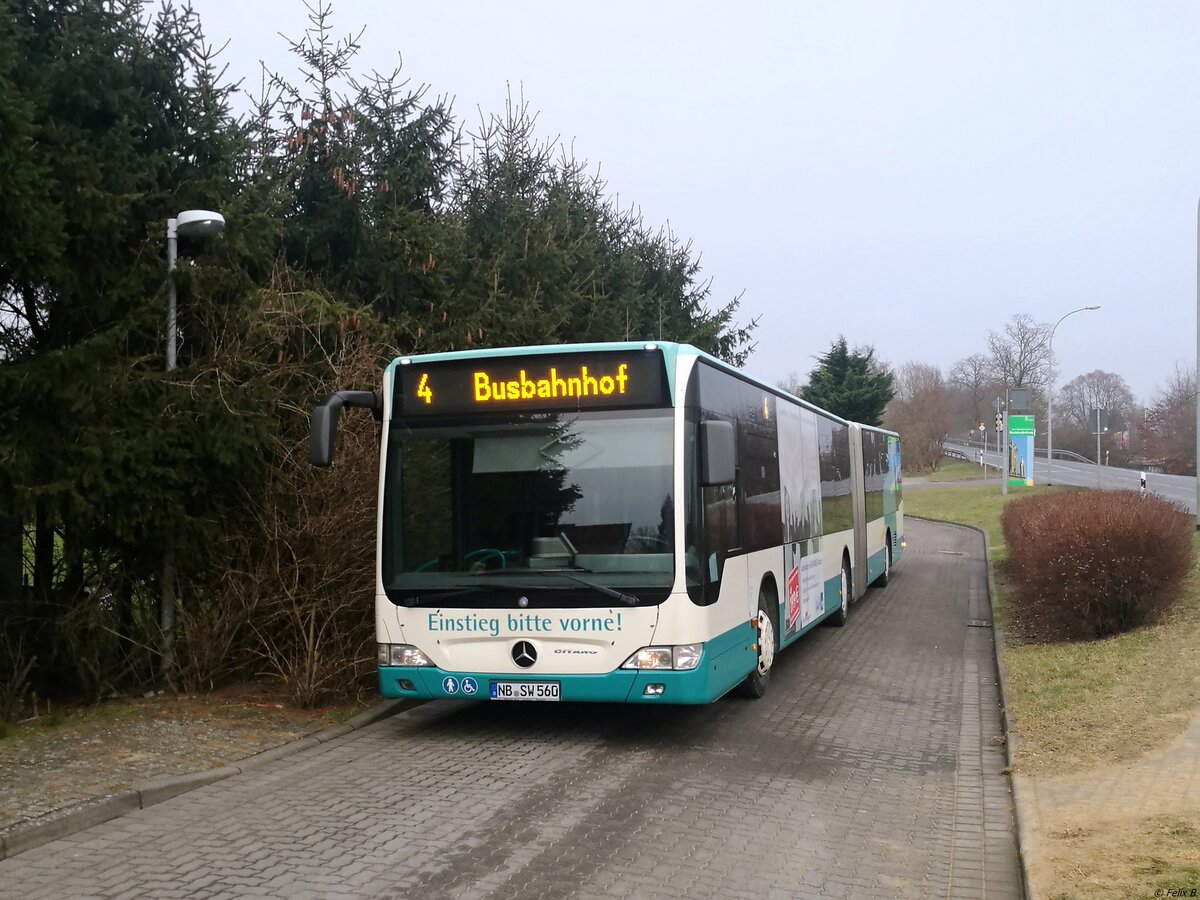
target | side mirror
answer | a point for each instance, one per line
(718, 453)
(322, 427)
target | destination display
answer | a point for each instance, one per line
(554, 382)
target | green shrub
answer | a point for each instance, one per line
(1094, 563)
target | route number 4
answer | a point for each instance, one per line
(423, 390)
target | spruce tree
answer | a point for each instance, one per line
(850, 384)
(121, 123)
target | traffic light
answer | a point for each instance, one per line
(999, 422)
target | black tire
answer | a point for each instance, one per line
(842, 615)
(882, 580)
(755, 684)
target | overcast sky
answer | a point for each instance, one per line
(906, 174)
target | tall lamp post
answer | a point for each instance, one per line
(189, 223)
(1050, 395)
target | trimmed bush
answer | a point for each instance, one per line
(1094, 563)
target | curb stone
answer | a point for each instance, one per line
(1011, 738)
(80, 816)
(51, 826)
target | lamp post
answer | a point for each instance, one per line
(189, 223)
(1198, 367)
(1050, 397)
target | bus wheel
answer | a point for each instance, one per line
(839, 618)
(882, 580)
(756, 682)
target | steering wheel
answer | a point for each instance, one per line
(485, 552)
(649, 540)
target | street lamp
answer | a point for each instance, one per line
(189, 223)
(1050, 396)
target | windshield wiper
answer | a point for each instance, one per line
(440, 595)
(525, 570)
(563, 572)
(599, 588)
(427, 599)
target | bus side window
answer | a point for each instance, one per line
(720, 534)
(711, 522)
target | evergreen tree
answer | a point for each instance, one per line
(853, 385)
(553, 259)
(356, 173)
(120, 123)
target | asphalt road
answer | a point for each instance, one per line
(1180, 488)
(870, 769)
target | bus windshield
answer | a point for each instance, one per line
(545, 509)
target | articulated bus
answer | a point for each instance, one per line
(626, 522)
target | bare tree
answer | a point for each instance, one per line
(1076, 403)
(1169, 428)
(1020, 354)
(920, 412)
(973, 375)
(1096, 390)
(976, 383)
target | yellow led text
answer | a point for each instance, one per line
(524, 388)
(423, 390)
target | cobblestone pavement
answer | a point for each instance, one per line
(869, 769)
(91, 754)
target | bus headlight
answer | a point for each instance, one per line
(681, 656)
(401, 655)
(687, 656)
(650, 658)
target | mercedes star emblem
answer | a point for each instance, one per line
(524, 654)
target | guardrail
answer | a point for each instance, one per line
(1072, 456)
(1059, 453)
(954, 453)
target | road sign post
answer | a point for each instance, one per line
(1100, 421)
(1002, 444)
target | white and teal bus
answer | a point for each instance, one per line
(627, 522)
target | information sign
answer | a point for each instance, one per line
(1019, 426)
